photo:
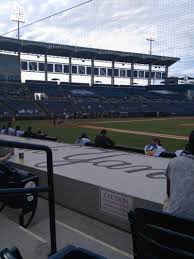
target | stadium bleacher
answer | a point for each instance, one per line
(92, 101)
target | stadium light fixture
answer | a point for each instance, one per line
(151, 39)
(18, 16)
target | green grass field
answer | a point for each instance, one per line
(70, 130)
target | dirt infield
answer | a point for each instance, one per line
(152, 134)
(187, 125)
(147, 119)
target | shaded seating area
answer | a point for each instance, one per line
(23, 107)
(93, 101)
(161, 235)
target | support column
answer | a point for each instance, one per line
(46, 67)
(113, 73)
(166, 71)
(150, 75)
(70, 68)
(92, 71)
(132, 74)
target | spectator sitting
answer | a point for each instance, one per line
(154, 149)
(182, 152)
(83, 140)
(103, 141)
(40, 134)
(28, 133)
(180, 183)
(18, 132)
(10, 130)
(3, 130)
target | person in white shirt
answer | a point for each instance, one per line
(10, 130)
(83, 140)
(182, 152)
(18, 132)
(154, 149)
(3, 129)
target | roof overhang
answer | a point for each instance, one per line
(33, 47)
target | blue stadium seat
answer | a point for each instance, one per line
(161, 235)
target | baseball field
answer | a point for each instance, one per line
(173, 132)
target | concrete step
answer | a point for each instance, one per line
(30, 245)
(79, 230)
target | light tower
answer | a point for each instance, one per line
(18, 16)
(151, 39)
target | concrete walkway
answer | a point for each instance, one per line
(72, 228)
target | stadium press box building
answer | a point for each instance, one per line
(29, 60)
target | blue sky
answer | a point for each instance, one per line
(113, 24)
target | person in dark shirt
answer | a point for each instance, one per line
(103, 141)
(28, 133)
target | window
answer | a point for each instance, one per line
(158, 75)
(41, 67)
(109, 71)
(116, 72)
(24, 65)
(135, 73)
(50, 68)
(81, 70)
(12, 77)
(58, 68)
(163, 75)
(122, 73)
(103, 71)
(88, 70)
(141, 74)
(96, 71)
(146, 74)
(153, 75)
(2, 77)
(128, 73)
(74, 69)
(32, 66)
(66, 69)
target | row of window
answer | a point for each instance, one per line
(86, 70)
(9, 77)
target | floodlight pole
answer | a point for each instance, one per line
(18, 29)
(151, 40)
(18, 16)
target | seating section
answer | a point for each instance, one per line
(51, 89)
(13, 90)
(23, 107)
(161, 235)
(5, 112)
(92, 101)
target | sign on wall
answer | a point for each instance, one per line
(115, 204)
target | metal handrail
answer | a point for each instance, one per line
(49, 188)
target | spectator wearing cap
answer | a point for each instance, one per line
(180, 183)
(103, 141)
(155, 148)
